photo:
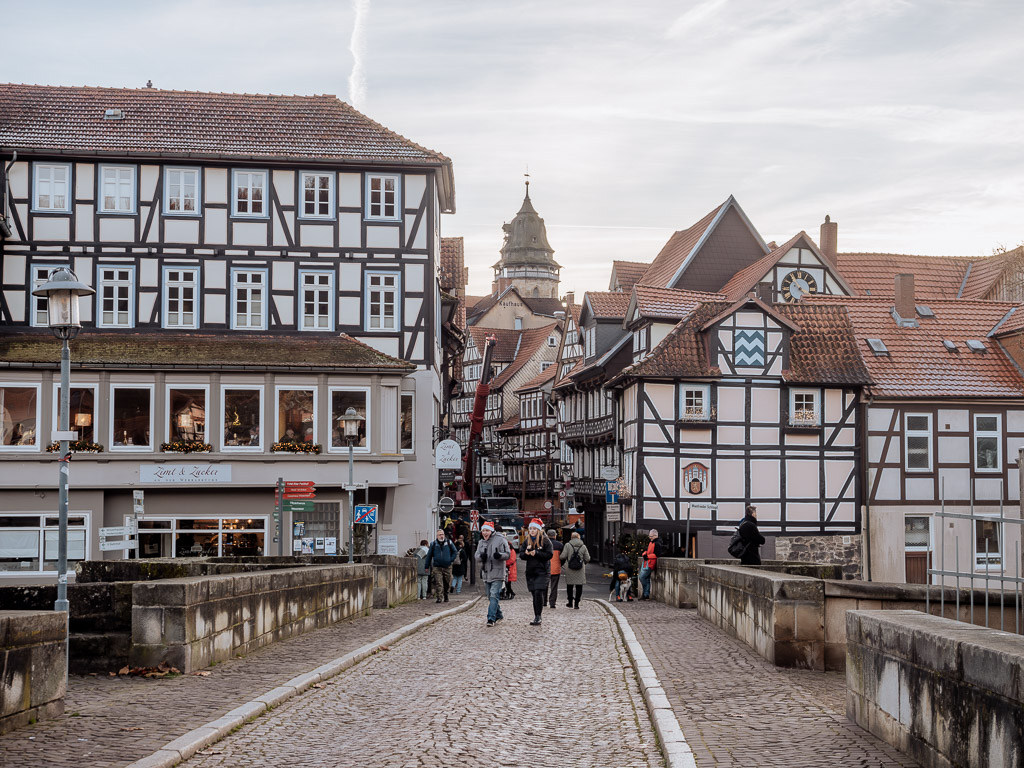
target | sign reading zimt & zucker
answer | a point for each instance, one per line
(184, 473)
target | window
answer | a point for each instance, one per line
(186, 412)
(52, 187)
(39, 305)
(382, 197)
(242, 408)
(517, 324)
(917, 532)
(116, 297)
(987, 443)
(180, 289)
(181, 191)
(131, 417)
(341, 401)
(250, 193)
(81, 411)
(918, 442)
(590, 341)
(296, 409)
(317, 302)
(408, 430)
(552, 341)
(988, 539)
(247, 290)
(694, 402)
(803, 408)
(211, 537)
(29, 542)
(117, 189)
(19, 417)
(545, 364)
(381, 301)
(317, 195)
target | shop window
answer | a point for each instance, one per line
(19, 417)
(186, 410)
(296, 409)
(29, 542)
(242, 408)
(408, 430)
(341, 401)
(132, 416)
(82, 411)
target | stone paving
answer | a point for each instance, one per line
(462, 694)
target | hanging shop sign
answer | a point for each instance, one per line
(448, 455)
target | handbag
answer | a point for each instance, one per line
(737, 545)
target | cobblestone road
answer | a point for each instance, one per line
(563, 694)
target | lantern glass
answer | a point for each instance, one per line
(63, 310)
(350, 423)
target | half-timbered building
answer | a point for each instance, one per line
(531, 448)
(261, 263)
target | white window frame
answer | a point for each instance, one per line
(95, 407)
(997, 434)
(98, 300)
(368, 416)
(165, 308)
(917, 547)
(236, 174)
(368, 275)
(41, 528)
(38, 418)
(222, 417)
(198, 175)
(315, 388)
(909, 433)
(220, 530)
(167, 409)
(382, 216)
(705, 392)
(590, 341)
(412, 397)
(153, 445)
(792, 406)
(331, 299)
(40, 273)
(132, 189)
(331, 207)
(980, 554)
(264, 299)
(69, 190)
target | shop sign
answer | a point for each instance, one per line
(184, 473)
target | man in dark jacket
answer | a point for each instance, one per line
(440, 557)
(752, 537)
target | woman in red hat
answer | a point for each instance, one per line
(536, 550)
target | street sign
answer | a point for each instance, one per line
(387, 545)
(446, 475)
(120, 530)
(299, 484)
(474, 515)
(710, 506)
(108, 546)
(611, 492)
(609, 473)
(297, 506)
(446, 504)
(366, 514)
(298, 495)
(475, 526)
(561, 494)
(138, 502)
(548, 505)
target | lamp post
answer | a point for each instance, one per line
(350, 425)
(62, 291)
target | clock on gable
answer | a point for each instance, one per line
(797, 283)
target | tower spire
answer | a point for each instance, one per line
(527, 175)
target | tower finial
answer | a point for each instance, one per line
(527, 175)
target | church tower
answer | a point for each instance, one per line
(527, 260)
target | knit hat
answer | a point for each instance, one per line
(488, 525)
(536, 523)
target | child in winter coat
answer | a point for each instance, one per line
(511, 571)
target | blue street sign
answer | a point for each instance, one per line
(611, 492)
(366, 513)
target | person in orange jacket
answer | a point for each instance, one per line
(512, 572)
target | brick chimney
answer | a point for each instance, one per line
(829, 242)
(570, 297)
(905, 310)
(765, 292)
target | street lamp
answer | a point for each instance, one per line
(62, 291)
(350, 425)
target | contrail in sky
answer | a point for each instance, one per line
(357, 80)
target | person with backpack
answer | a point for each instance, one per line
(556, 568)
(536, 551)
(420, 553)
(751, 537)
(439, 560)
(460, 566)
(650, 562)
(491, 553)
(575, 556)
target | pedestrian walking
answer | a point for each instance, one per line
(622, 578)
(460, 566)
(556, 568)
(440, 557)
(420, 553)
(536, 549)
(752, 537)
(575, 556)
(650, 562)
(491, 554)
(512, 572)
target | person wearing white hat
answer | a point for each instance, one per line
(491, 553)
(536, 551)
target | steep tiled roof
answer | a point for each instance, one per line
(543, 306)
(530, 341)
(675, 251)
(670, 303)
(567, 379)
(190, 122)
(608, 304)
(874, 274)
(191, 351)
(627, 273)
(985, 273)
(504, 350)
(1012, 322)
(917, 363)
(510, 423)
(744, 281)
(540, 379)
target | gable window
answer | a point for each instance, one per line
(695, 402)
(341, 401)
(117, 189)
(407, 434)
(181, 191)
(180, 289)
(116, 297)
(590, 341)
(52, 187)
(804, 408)
(249, 311)
(317, 195)
(382, 197)
(545, 364)
(19, 417)
(918, 442)
(987, 443)
(381, 301)
(131, 417)
(242, 407)
(317, 303)
(250, 193)
(186, 410)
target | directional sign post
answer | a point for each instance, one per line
(366, 514)
(119, 531)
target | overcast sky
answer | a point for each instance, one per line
(902, 120)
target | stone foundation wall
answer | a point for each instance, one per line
(32, 666)
(944, 692)
(823, 550)
(192, 622)
(394, 579)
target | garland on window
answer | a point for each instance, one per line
(77, 446)
(296, 448)
(186, 446)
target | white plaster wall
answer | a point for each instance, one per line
(382, 237)
(801, 479)
(117, 230)
(764, 405)
(215, 186)
(85, 180)
(51, 227)
(84, 224)
(316, 235)
(249, 233)
(181, 230)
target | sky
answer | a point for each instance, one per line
(904, 121)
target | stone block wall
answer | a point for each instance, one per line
(674, 581)
(778, 615)
(944, 692)
(192, 622)
(33, 667)
(394, 579)
(823, 550)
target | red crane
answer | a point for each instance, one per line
(476, 421)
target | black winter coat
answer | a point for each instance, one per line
(460, 569)
(538, 565)
(753, 538)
